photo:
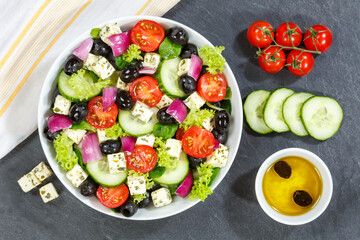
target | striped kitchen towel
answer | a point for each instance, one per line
(33, 34)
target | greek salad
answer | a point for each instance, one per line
(141, 116)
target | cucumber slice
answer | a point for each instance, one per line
(99, 172)
(134, 126)
(168, 78)
(253, 109)
(322, 117)
(177, 175)
(291, 112)
(273, 110)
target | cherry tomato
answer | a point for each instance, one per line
(179, 133)
(260, 34)
(319, 36)
(112, 197)
(288, 35)
(212, 87)
(146, 90)
(272, 59)
(300, 64)
(142, 159)
(148, 35)
(198, 142)
(97, 117)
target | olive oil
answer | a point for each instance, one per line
(293, 186)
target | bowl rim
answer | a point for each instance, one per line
(322, 203)
(50, 78)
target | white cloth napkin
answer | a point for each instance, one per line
(33, 33)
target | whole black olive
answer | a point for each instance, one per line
(124, 100)
(178, 35)
(221, 136)
(302, 198)
(222, 120)
(72, 65)
(88, 187)
(187, 84)
(129, 74)
(188, 50)
(129, 208)
(78, 112)
(110, 147)
(194, 162)
(283, 169)
(100, 48)
(164, 117)
(146, 201)
(49, 135)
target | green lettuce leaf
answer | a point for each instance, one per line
(201, 189)
(211, 56)
(164, 159)
(132, 53)
(95, 32)
(169, 50)
(84, 125)
(80, 84)
(65, 154)
(115, 131)
(196, 117)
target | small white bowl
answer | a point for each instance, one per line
(325, 197)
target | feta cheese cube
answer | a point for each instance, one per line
(117, 162)
(122, 85)
(194, 99)
(61, 105)
(146, 140)
(161, 197)
(48, 192)
(142, 111)
(77, 175)
(136, 184)
(208, 124)
(151, 60)
(28, 182)
(184, 66)
(102, 136)
(99, 65)
(109, 30)
(173, 147)
(75, 134)
(219, 156)
(42, 171)
(164, 102)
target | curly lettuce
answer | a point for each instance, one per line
(201, 189)
(132, 53)
(115, 131)
(211, 56)
(196, 117)
(164, 159)
(149, 184)
(65, 155)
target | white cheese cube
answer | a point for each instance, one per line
(146, 140)
(28, 182)
(173, 147)
(219, 156)
(208, 124)
(102, 136)
(117, 162)
(75, 134)
(184, 66)
(164, 102)
(161, 197)
(99, 65)
(122, 85)
(194, 99)
(151, 60)
(61, 105)
(142, 111)
(109, 30)
(42, 171)
(48, 192)
(136, 184)
(77, 175)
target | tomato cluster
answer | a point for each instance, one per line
(288, 37)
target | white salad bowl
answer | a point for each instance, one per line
(178, 205)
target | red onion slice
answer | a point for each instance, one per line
(90, 148)
(83, 50)
(217, 144)
(185, 187)
(58, 122)
(120, 43)
(108, 97)
(147, 71)
(178, 110)
(195, 67)
(128, 144)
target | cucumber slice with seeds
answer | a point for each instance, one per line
(99, 172)
(134, 126)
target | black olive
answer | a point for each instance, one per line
(129, 74)
(178, 35)
(72, 65)
(216, 104)
(110, 147)
(124, 100)
(194, 162)
(100, 48)
(203, 70)
(129, 208)
(302, 198)
(222, 120)
(78, 112)
(221, 136)
(187, 84)
(49, 135)
(146, 201)
(155, 187)
(138, 65)
(164, 117)
(55, 93)
(188, 50)
(283, 169)
(88, 187)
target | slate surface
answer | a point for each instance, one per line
(232, 212)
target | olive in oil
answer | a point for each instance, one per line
(295, 192)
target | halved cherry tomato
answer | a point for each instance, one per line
(143, 159)
(288, 35)
(179, 133)
(300, 63)
(148, 35)
(319, 36)
(198, 142)
(212, 87)
(146, 90)
(272, 59)
(260, 34)
(112, 197)
(97, 117)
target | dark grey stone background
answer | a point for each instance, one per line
(232, 212)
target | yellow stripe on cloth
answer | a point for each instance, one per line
(143, 8)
